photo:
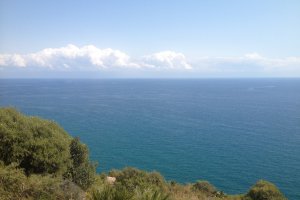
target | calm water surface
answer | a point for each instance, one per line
(230, 132)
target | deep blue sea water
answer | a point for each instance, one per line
(230, 132)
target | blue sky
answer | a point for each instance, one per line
(224, 38)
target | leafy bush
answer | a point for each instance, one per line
(82, 171)
(36, 145)
(131, 184)
(40, 146)
(205, 186)
(264, 190)
(131, 178)
(151, 195)
(12, 179)
(109, 192)
(14, 184)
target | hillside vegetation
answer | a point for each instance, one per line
(39, 160)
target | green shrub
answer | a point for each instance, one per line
(36, 145)
(82, 171)
(14, 184)
(205, 187)
(264, 190)
(79, 152)
(40, 146)
(83, 175)
(110, 192)
(131, 178)
(149, 194)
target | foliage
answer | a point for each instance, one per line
(131, 178)
(40, 146)
(205, 186)
(151, 195)
(82, 171)
(111, 192)
(79, 152)
(131, 184)
(12, 179)
(14, 184)
(264, 190)
(36, 145)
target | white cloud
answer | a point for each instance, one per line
(91, 58)
(252, 62)
(12, 60)
(70, 56)
(167, 59)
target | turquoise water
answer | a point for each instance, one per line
(230, 132)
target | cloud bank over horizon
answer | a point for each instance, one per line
(89, 58)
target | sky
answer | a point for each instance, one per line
(149, 39)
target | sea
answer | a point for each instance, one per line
(231, 132)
